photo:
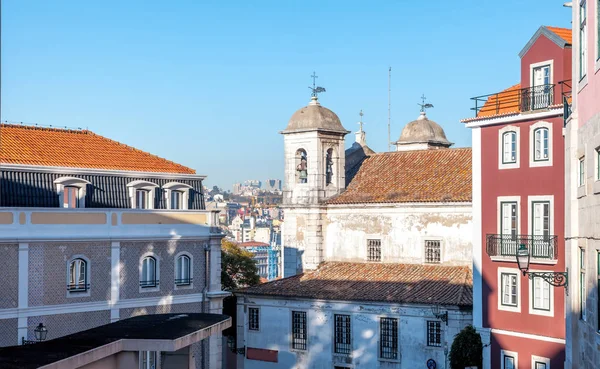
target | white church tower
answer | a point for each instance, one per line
(314, 172)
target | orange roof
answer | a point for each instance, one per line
(30, 145)
(442, 175)
(502, 103)
(564, 33)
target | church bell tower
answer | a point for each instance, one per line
(314, 172)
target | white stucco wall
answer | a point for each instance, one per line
(275, 332)
(402, 228)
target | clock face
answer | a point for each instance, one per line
(431, 364)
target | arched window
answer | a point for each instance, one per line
(509, 147)
(142, 194)
(541, 145)
(78, 281)
(148, 276)
(301, 166)
(71, 191)
(177, 195)
(329, 167)
(183, 276)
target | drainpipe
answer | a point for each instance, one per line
(204, 299)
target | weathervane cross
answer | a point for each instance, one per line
(361, 122)
(424, 105)
(316, 90)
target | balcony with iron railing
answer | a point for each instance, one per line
(506, 245)
(520, 100)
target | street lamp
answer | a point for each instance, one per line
(557, 279)
(40, 333)
(435, 309)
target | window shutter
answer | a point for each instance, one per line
(72, 271)
(82, 267)
(145, 269)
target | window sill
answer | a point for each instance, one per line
(546, 313)
(581, 191)
(184, 287)
(510, 309)
(582, 83)
(509, 166)
(389, 360)
(540, 163)
(596, 186)
(75, 294)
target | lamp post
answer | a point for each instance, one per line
(435, 309)
(40, 333)
(557, 279)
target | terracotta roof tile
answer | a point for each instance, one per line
(29, 145)
(503, 103)
(442, 175)
(253, 244)
(564, 33)
(381, 282)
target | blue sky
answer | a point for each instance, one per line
(209, 84)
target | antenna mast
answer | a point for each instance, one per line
(389, 105)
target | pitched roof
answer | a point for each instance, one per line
(503, 103)
(564, 33)
(31, 145)
(253, 244)
(380, 282)
(442, 175)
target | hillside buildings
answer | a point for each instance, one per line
(378, 247)
(93, 231)
(518, 154)
(582, 182)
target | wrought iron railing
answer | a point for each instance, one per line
(520, 100)
(78, 287)
(566, 93)
(540, 247)
(150, 283)
(183, 282)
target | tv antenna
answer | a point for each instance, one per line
(316, 90)
(424, 106)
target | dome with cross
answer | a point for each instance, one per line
(314, 117)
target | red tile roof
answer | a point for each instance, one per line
(30, 145)
(253, 244)
(379, 282)
(564, 33)
(442, 175)
(503, 103)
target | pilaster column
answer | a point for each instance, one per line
(115, 275)
(23, 301)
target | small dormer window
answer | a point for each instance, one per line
(177, 195)
(142, 194)
(71, 192)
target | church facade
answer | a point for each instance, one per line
(378, 252)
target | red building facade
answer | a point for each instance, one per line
(518, 201)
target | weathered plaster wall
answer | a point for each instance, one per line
(402, 229)
(303, 233)
(275, 332)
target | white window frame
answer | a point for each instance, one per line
(582, 33)
(532, 309)
(582, 281)
(147, 354)
(156, 272)
(88, 276)
(134, 186)
(502, 199)
(530, 201)
(501, 132)
(539, 359)
(514, 309)
(259, 319)
(181, 187)
(534, 66)
(544, 162)
(176, 269)
(80, 183)
(581, 172)
(512, 354)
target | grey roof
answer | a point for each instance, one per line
(145, 327)
(314, 117)
(423, 130)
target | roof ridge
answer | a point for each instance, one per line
(420, 150)
(45, 128)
